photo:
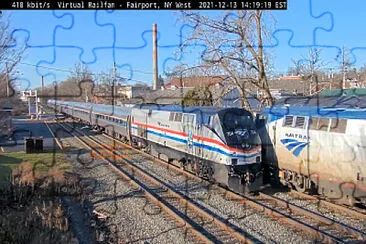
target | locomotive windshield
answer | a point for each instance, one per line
(240, 131)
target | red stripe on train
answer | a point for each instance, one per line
(219, 143)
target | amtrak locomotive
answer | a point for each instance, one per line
(318, 145)
(220, 144)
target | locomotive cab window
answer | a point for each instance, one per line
(178, 117)
(171, 116)
(313, 123)
(188, 119)
(288, 121)
(323, 124)
(319, 124)
(300, 122)
(338, 125)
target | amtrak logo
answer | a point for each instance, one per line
(294, 145)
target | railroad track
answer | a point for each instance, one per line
(328, 229)
(321, 228)
(200, 223)
(355, 212)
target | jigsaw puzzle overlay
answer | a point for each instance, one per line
(108, 41)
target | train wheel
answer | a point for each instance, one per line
(189, 166)
(182, 164)
(196, 168)
(299, 183)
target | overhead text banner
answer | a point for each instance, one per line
(145, 5)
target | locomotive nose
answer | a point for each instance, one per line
(245, 145)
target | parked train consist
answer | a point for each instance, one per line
(221, 144)
(318, 145)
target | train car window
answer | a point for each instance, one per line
(323, 124)
(188, 118)
(338, 125)
(171, 116)
(313, 123)
(288, 121)
(178, 117)
(300, 122)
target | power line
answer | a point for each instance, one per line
(71, 71)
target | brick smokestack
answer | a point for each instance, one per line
(155, 57)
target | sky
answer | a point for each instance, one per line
(58, 39)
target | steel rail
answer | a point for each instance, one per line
(158, 200)
(314, 231)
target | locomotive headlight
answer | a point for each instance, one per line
(245, 145)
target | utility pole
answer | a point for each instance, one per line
(42, 85)
(344, 70)
(114, 82)
(331, 78)
(311, 78)
(36, 97)
(7, 80)
(155, 57)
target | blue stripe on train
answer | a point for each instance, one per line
(210, 148)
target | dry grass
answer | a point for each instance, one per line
(44, 164)
(31, 210)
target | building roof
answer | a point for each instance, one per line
(349, 107)
(291, 77)
(161, 96)
(340, 92)
(202, 112)
(232, 99)
(331, 102)
(301, 86)
(195, 81)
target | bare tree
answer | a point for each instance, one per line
(311, 67)
(10, 56)
(78, 86)
(199, 96)
(235, 44)
(80, 73)
(297, 67)
(346, 66)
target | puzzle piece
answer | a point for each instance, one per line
(110, 35)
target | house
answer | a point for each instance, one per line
(131, 91)
(6, 126)
(194, 81)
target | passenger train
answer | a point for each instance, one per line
(318, 145)
(220, 144)
(314, 145)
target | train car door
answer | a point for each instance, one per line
(147, 122)
(91, 115)
(189, 129)
(129, 137)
